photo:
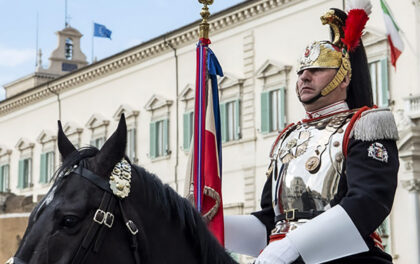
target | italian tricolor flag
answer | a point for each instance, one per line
(395, 42)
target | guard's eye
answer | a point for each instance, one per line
(70, 221)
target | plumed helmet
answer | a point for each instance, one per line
(344, 52)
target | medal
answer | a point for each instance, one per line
(312, 164)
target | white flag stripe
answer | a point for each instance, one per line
(393, 32)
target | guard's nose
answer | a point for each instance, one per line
(14, 260)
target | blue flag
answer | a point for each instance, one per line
(101, 31)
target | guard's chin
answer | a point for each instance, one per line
(309, 100)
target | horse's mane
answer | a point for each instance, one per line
(180, 210)
(165, 199)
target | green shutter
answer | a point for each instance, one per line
(153, 140)
(238, 119)
(265, 112)
(223, 120)
(384, 83)
(43, 173)
(1, 179)
(187, 125)
(166, 137)
(282, 102)
(6, 176)
(20, 174)
(133, 143)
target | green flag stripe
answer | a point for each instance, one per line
(385, 8)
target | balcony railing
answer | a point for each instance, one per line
(412, 106)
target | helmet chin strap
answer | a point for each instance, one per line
(310, 101)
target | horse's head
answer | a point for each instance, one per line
(81, 210)
(101, 209)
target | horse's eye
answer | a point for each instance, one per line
(70, 221)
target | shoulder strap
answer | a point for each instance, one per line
(370, 124)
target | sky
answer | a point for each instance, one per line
(27, 24)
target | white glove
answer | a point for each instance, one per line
(278, 252)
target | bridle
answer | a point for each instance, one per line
(103, 219)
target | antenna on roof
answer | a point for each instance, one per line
(65, 14)
(36, 39)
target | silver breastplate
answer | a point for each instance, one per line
(309, 165)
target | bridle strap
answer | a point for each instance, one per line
(104, 217)
(94, 226)
(102, 231)
(133, 229)
(92, 177)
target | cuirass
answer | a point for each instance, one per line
(309, 163)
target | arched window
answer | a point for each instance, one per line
(69, 48)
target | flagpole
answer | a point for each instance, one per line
(93, 32)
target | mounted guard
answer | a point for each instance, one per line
(333, 175)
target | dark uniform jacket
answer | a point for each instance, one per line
(367, 185)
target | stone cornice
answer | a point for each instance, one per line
(24, 143)
(412, 185)
(4, 151)
(46, 136)
(127, 110)
(223, 20)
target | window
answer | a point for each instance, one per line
(98, 142)
(131, 144)
(188, 129)
(379, 78)
(159, 138)
(4, 178)
(384, 232)
(69, 49)
(47, 166)
(273, 115)
(25, 173)
(230, 117)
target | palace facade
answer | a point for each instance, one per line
(258, 44)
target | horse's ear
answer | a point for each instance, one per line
(113, 150)
(64, 145)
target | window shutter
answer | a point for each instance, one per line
(187, 125)
(2, 187)
(282, 102)
(223, 118)
(6, 177)
(43, 172)
(20, 174)
(133, 143)
(166, 137)
(384, 83)
(153, 140)
(265, 112)
(238, 119)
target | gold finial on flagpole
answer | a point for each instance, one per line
(205, 14)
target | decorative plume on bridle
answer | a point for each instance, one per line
(358, 12)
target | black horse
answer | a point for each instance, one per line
(84, 220)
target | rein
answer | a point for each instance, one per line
(103, 219)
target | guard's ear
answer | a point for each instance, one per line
(113, 150)
(64, 145)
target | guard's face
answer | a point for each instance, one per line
(312, 81)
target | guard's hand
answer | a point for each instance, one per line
(278, 252)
